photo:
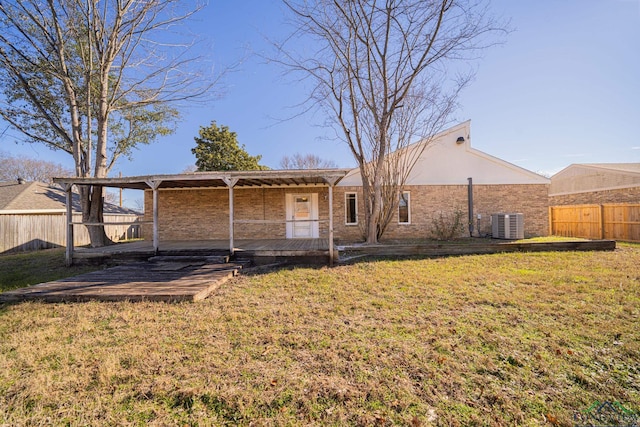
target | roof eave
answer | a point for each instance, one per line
(205, 179)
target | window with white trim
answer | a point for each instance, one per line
(404, 208)
(351, 208)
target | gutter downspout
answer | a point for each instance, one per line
(470, 202)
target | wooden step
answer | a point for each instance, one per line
(203, 259)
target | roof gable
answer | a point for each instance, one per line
(633, 168)
(449, 159)
(582, 178)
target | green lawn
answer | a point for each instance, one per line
(496, 340)
(25, 269)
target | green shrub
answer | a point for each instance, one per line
(448, 225)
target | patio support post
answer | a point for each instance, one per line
(231, 182)
(68, 256)
(331, 181)
(331, 255)
(156, 229)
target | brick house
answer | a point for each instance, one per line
(438, 184)
(596, 183)
(327, 203)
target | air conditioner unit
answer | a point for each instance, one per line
(507, 226)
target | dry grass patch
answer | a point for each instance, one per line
(31, 268)
(505, 339)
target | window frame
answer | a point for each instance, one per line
(347, 206)
(408, 199)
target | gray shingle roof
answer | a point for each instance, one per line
(8, 192)
(38, 195)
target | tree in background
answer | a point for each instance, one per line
(95, 79)
(29, 169)
(306, 161)
(217, 149)
(382, 71)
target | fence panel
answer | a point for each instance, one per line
(26, 232)
(621, 221)
(608, 221)
(576, 221)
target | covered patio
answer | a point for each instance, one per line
(298, 180)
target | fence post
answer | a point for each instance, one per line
(550, 220)
(601, 222)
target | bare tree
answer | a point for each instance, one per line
(190, 169)
(111, 197)
(94, 79)
(138, 204)
(305, 161)
(29, 169)
(381, 71)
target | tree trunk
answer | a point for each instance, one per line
(372, 231)
(96, 206)
(372, 225)
(372, 201)
(93, 213)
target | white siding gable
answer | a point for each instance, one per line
(585, 178)
(446, 161)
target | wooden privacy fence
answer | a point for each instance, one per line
(607, 221)
(26, 232)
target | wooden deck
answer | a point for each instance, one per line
(169, 280)
(469, 247)
(262, 251)
(254, 249)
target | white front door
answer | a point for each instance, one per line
(302, 216)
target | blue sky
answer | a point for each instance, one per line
(564, 88)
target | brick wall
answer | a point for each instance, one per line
(531, 200)
(341, 231)
(428, 202)
(624, 195)
(200, 214)
(189, 214)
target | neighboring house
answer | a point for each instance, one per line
(293, 208)
(596, 183)
(32, 216)
(596, 201)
